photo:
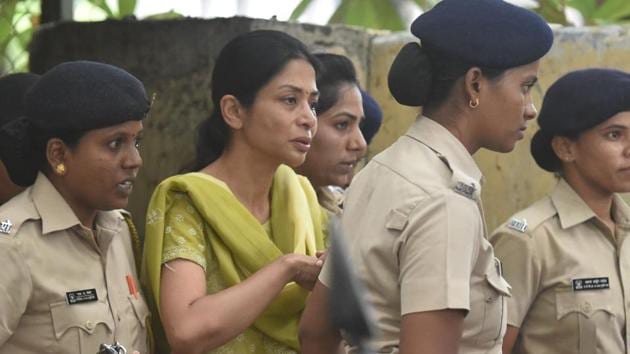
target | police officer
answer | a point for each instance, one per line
(69, 281)
(12, 89)
(413, 218)
(566, 256)
(339, 143)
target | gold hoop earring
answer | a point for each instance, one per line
(60, 169)
(474, 103)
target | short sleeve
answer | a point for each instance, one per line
(521, 268)
(184, 233)
(15, 288)
(440, 242)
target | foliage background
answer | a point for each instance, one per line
(19, 18)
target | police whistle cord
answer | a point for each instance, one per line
(349, 312)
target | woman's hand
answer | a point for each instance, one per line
(304, 269)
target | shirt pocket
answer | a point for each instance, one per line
(139, 333)
(81, 328)
(495, 291)
(578, 313)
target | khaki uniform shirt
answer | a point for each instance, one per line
(331, 199)
(415, 232)
(63, 287)
(569, 274)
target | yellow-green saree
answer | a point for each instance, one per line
(196, 217)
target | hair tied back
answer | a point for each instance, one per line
(410, 77)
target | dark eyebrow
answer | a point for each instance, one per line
(614, 126)
(300, 90)
(119, 132)
(349, 115)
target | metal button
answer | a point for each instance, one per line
(89, 325)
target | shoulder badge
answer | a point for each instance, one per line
(467, 190)
(6, 226)
(517, 224)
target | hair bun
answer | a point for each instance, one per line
(410, 77)
(17, 151)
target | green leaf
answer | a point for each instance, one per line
(102, 4)
(612, 10)
(7, 11)
(299, 10)
(426, 5)
(24, 37)
(552, 11)
(380, 14)
(126, 7)
(586, 7)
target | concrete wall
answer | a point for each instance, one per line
(175, 58)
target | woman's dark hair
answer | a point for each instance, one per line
(422, 76)
(335, 70)
(244, 66)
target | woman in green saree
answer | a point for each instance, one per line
(231, 250)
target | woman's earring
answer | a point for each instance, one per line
(474, 103)
(60, 169)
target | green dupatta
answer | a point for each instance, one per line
(239, 241)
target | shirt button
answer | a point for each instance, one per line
(89, 325)
(587, 307)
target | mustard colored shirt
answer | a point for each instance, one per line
(570, 276)
(414, 228)
(63, 287)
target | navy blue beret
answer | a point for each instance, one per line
(373, 117)
(85, 95)
(490, 33)
(12, 89)
(72, 97)
(577, 102)
(459, 34)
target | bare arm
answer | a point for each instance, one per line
(510, 339)
(196, 322)
(434, 332)
(317, 334)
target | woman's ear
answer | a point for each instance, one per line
(232, 111)
(563, 147)
(473, 84)
(56, 155)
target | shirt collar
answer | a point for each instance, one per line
(53, 209)
(621, 212)
(442, 141)
(56, 214)
(572, 209)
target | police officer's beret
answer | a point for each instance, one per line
(486, 33)
(72, 97)
(12, 89)
(577, 102)
(373, 117)
(85, 95)
(491, 33)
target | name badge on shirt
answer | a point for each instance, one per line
(519, 225)
(80, 296)
(467, 190)
(582, 284)
(6, 226)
